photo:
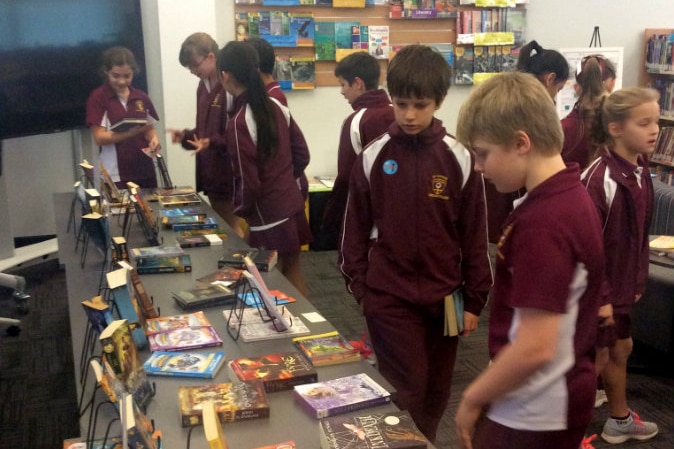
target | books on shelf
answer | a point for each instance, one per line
(181, 332)
(329, 348)
(212, 427)
(234, 401)
(278, 371)
(254, 328)
(393, 430)
(200, 297)
(264, 259)
(342, 395)
(120, 355)
(185, 364)
(127, 124)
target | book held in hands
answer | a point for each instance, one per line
(127, 124)
(342, 395)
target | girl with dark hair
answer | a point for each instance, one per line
(259, 144)
(549, 66)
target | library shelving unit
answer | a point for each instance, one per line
(657, 71)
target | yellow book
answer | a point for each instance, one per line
(212, 427)
(451, 323)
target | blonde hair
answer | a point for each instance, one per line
(618, 106)
(505, 104)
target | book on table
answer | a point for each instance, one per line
(265, 260)
(119, 282)
(179, 199)
(234, 401)
(127, 124)
(165, 264)
(169, 222)
(181, 332)
(213, 427)
(278, 371)
(227, 276)
(197, 241)
(185, 364)
(342, 395)
(199, 297)
(151, 252)
(393, 430)
(329, 348)
(208, 223)
(120, 354)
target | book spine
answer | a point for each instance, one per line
(357, 406)
(193, 226)
(160, 373)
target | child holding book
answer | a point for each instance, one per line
(544, 313)
(198, 53)
(126, 155)
(415, 232)
(630, 130)
(594, 76)
(258, 133)
(358, 75)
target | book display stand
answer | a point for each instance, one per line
(150, 227)
(163, 172)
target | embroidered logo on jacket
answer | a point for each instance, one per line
(140, 107)
(390, 167)
(438, 186)
(217, 101)
(502, 240)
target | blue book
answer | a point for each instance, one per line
(185, 364)
(209, 223)
(127, 305)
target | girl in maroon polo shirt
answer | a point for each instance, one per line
(266, 194)
(126, 155)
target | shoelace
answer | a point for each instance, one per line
(636, 418)
(586, 443)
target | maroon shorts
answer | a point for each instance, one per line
(621, 330)
(492, 435)
(287, 238)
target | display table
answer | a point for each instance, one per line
(288, 420)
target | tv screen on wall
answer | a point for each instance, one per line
(50, 58)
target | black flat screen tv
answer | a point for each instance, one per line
(50, 55)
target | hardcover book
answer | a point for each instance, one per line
(265, 260)
(234, 401)
(253, 327)
(341, 395)
(303, 72)
(324, 41)
(185, 364)
(394, 430)
(200, 297)
(181, 332)
(278, 372)
(329, 348)
(227, 276)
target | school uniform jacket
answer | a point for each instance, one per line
(577, 142)
(373, 113)
(623, 196)
(213, 167)
(265, 191)
(415, 223)
(104, 109)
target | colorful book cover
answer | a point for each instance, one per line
(463, 64)
(181, 211)
(302, 28)
(220, 232)
(167, 264)
(324, 41)
(226, 275)
(208, 223)
(119, 282)
(172, 322)
(241, 24)
(184, 338)
(329, 348)
(197, 241)
(283, 72)
(185, 364)
(303, 72)
(168, 222)
(252, 299)
(343, 32)
(179, 200)
(253, 24)
(379, 44)
(200, 297)
(342, 395)
(136, 425)
(278, 372)
(264, 23)
(394, 430)
(364, 37)
(265, 260)
(156, 251)
(234, 401)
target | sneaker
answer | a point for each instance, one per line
(620, 430)
(586, 443)
(600, 398)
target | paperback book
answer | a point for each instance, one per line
(200, 297)
(138, 429)
(119, 282)
(165, 264)
(227, 276)
(213, 427)
(341, 395)
(394, 430)
(185, 364)
(197, 241)
(207, 223)
(181, 332)
(150, 252)
(278, 371)
(170, 221)
(329, 348)
(265, 260)
(234, 401)
(179, 200)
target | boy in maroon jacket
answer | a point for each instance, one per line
(415, 232)
(358, 74)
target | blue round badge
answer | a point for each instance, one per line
(390, 167)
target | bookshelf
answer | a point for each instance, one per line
(657, 71)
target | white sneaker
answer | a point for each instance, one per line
(600, 398)
(618, 431)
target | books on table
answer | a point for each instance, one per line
(329, 348)
(234, 401)
(184, 364)
(394, 430)
(264, 260)
(212, 427)
(181, 332)
(342, 395)
(200, 297)
(226, 276)
(278, 371)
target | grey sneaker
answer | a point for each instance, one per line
(618, 431)
(600, 398)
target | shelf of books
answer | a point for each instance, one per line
(158, 343)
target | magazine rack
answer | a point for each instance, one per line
(235, 317)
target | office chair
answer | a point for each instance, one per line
(18, 285)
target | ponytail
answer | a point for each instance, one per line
(538, 61)
(241, 61)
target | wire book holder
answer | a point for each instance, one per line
(235, 319)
